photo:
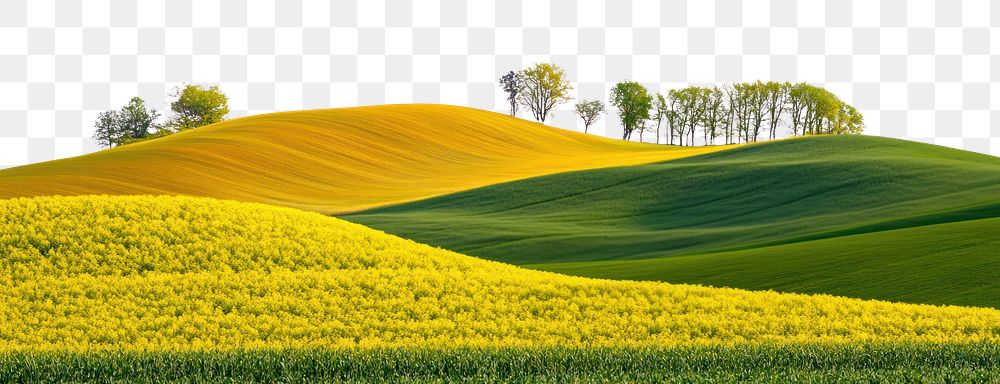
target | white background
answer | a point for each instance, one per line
(923, 70)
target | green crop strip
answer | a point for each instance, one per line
(795, 363)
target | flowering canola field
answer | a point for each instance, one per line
(143, 273)
(336, 160)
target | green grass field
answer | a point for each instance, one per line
(903, 363)
(859, 216)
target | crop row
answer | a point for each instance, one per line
(791, 363)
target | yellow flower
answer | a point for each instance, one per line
(181, 273)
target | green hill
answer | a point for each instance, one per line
(847, 215)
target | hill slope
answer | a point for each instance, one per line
(181, 273)
(335, 160)
(752, 200)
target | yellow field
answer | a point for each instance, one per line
(336, 160)
(174, 273)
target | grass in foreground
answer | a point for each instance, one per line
(847, 215)
(904, 363)
(335, 160)
(181, 273)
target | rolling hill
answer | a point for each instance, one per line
(335, 160)
(847, 215)
(161, 273)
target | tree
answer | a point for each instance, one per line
(589, 110)
(851, 122)
(633, 102)
(673, 118)
(755, 100)
(690, 103)
(511, 83)
(797, 103)
(679, 116)
(737, 113)
(108, 133)
(197, 106)
(136, 121)
(775, 100)
(544, 86)
(661, 110)
(715, 114)
(132, 123)
(821, 108)
(646, 126)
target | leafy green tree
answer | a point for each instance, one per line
(678, 117)
(742, 112)
(737, 113)
(691, 103)
(846, 120)
(633, 102)
(747, 102)
(511, 83)
(797, 104)
(822, 106)
(544, 86)
(107, 132)
(715, 114)
(660, 111)
(197, 106)
(852, 122)
(674, 118)
(755, 95)
(134, 122)
(775, 102)
(589, 111)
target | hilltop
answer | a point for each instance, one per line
(335, 160)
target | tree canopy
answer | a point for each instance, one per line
(543, 87)
(633, 102)
(132, 122)
(197, 106)
(589, 111)
(744, 112)
(730, 113)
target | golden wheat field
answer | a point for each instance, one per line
(182, 273)
(336, 160)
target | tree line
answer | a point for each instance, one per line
(730, 113)
(194, 106)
